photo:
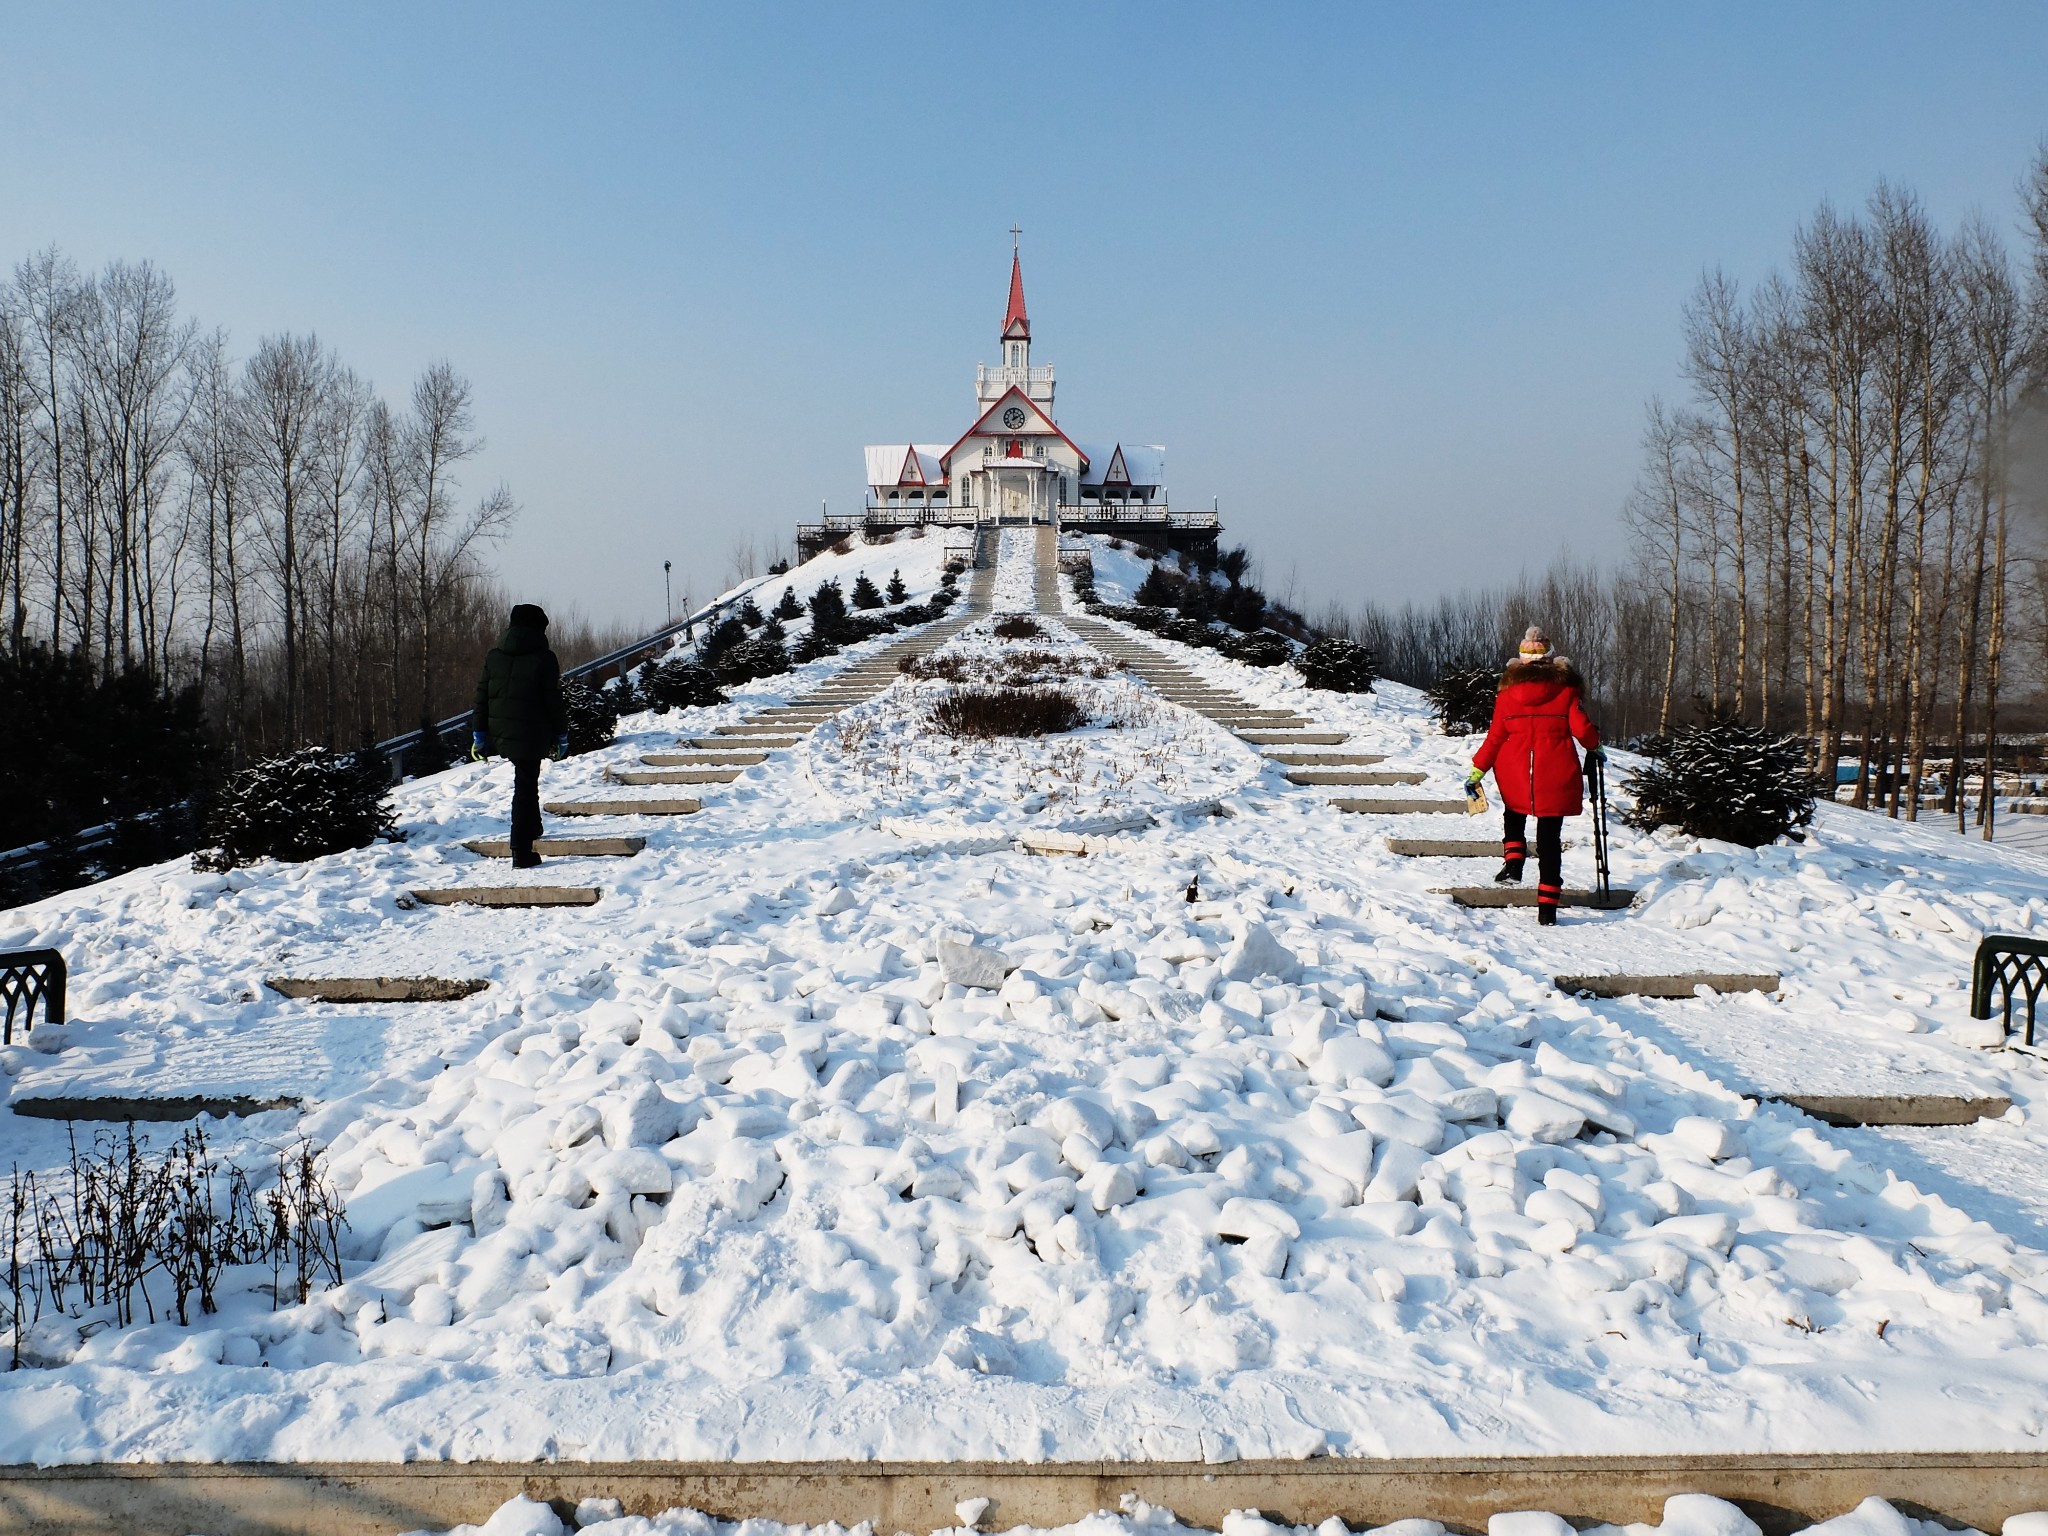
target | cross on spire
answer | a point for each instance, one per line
(1015, 234)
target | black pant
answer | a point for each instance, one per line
(1549, 850)
(525, 803)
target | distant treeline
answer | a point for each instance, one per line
(1840, 533)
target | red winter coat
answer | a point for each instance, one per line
(1540, 708)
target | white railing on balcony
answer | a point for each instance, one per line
(989, 382)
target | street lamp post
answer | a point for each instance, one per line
(668, 601)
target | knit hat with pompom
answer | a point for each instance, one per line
(1535, 643)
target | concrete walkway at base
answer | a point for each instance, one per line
(1781, 1493)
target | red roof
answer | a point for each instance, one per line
(1016, 324)
(1018, 395)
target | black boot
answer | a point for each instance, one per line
(1546, 914)
(526, 860)
(1510, 873)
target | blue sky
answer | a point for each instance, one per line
(1392, 283)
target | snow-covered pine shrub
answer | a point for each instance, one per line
(1017, 626)
(814, 646)
(773, 630)
(1462, 697)
(680, 683)
(1263, 649)
(896, 592)
(593, 716)
(1734, 783)
(1338, 666)
(828, 610)
(297, 807)
(789, 607)
(1157, 590)
(864, 594)
(758, 657)
(1084, 588)
(1242, 607)
(989, 712)
(624, 697)
(750, 615)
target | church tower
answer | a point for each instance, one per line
(1015, 370)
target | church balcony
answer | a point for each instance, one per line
(991, 383)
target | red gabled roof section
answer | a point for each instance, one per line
(1018, 395)
(912, 472)
(1116, 474)
(1016, 324)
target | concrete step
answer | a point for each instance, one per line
(1525, 896)
(116, 1109)
(375, 989)
(509, 896)
(562, 847)
(1390, 806)
(673, 775)
(1680, 986)
(666, 807)
(1354, 776)
(1296, 738)
(748, 729)
(1787, 1491)
(723, 743)
(1894, 1109)
(1326, 759)
(1444, 847)
(709, 759)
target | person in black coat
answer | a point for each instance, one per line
(519, 714)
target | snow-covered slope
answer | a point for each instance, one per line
(723, 1166)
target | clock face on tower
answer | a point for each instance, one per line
(1014, 417)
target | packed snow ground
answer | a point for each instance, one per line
(723, 1167)
(1688, 1514)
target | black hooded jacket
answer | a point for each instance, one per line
(519, 697)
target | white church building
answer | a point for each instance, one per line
(1016, 464)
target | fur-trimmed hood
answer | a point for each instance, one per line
(1543, 669)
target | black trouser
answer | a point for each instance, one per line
(1549, 851)
(525, 803)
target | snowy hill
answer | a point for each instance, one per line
(724, 1166)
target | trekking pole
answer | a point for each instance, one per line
(1601, 880)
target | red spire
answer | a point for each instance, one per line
(1016, 324)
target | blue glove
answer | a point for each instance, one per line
(562, 747)
(479, 746)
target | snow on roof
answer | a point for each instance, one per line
(1146, 462)
(885, 463)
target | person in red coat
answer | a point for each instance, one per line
(1538, 713)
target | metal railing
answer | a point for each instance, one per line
(612, 664)
(28, 977)
(2014, 966)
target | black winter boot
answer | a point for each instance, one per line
(1546, 914)
(1510, 873)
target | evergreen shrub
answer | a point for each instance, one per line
(1263, 649)
(896, 592)
(828, 610)
(864, 594)
(758, 657)
(789, 607)
(1338, 666)
(1157, 590)
(593, 716)
(1734, 783)
(750, 615)
(297, 807)
(1462, 697)
(680, 683)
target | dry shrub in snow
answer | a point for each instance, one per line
(988, 712)
(1017, 626)
(1735, 783)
